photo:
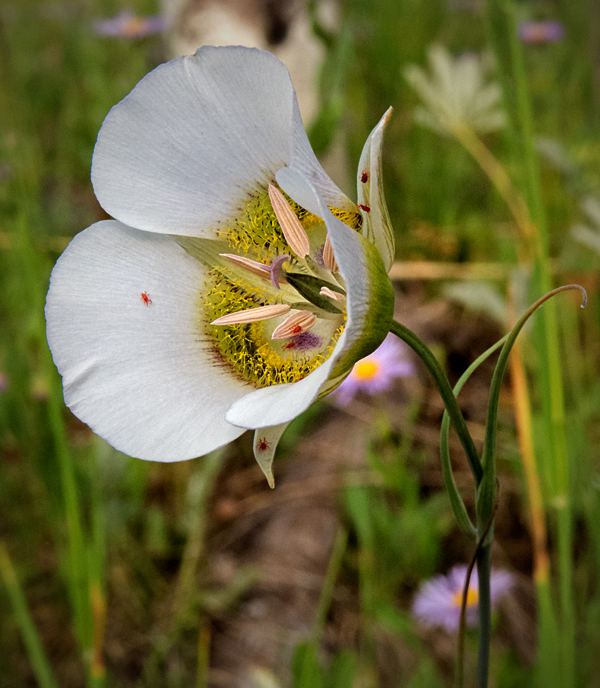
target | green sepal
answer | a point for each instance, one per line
(377, 315)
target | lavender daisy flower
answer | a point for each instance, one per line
(438, 600)
(128, 25)
(541, 31)
(377, 372)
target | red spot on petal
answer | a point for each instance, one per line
(364, 177)
(145, 297)
(296, 329)
(364, 207)
(289, 345)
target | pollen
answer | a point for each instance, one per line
(348, 217)
(256, 231)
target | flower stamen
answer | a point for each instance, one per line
(252, 266)
(329, 259)
(326, 291)
(292, 228)
(252, 315)
(299, 322)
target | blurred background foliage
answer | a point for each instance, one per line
(108, 563)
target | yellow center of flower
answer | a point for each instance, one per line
(250, 347)
(472, 598)
(366, 369)
(257, 229)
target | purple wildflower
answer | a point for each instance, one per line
(128, 25)
(438, 600)
(377, 372)
(541, 31)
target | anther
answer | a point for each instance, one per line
(292, 229)
(248, 264)
(252, 315)
(328, 257)
(326, 291)
(296, 324)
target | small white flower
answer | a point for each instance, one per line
(455, 93)
(205, 308)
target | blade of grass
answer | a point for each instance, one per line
(35, 651)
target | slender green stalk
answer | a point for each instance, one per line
(333, 570)
(199, 490)
(441, 382)
(486, 493)
(96, 558)
(35, 651)
(203, 665)
(549, 376)
(458, 506)
(485, 614)
(462, 624)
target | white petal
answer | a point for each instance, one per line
(287, 179)
(142, 375)
(194, 138)
(377, 226)
(265, 444)
(282, 403)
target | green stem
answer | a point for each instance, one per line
(445, 390)
(486, 497)
(485, 615)
(458, 506)
(486, 492)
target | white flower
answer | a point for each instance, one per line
(455, 94)
(221, 207)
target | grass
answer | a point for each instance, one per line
(95, 545)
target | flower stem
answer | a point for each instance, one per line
(445, 390)
(485, 615)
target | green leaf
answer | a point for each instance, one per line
(310, 287)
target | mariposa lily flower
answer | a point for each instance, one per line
(236, 284)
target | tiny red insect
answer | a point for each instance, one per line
(262, 444)
(146, 298)
(364, 177)
(364, 207)
(296, 329)
(289, 345)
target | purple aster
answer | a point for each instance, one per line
(128, 25)
(376, 373)
(541, 31)
(438, 600)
